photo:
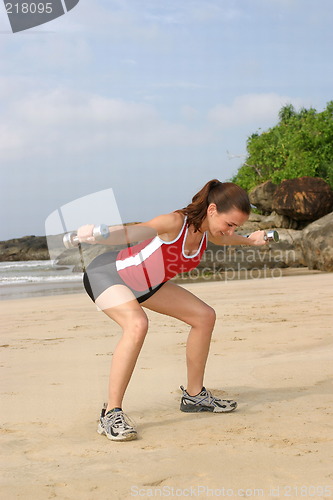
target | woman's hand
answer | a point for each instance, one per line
(258, 238)
(85, 234)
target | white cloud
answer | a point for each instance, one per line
(46, 122)
(45, 54)
(251, 108)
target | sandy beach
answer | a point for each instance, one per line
(271, 351)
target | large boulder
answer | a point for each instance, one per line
(286, 253)
(303, 199)
(273, 220)
(317, 244)
(277, 221)
(25, 248)
(262, 195)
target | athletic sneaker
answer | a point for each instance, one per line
(116, 425)
(205, 401)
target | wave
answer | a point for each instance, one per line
(18, 280)
(34, 278)
(30, 264)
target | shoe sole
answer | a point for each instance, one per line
(128, 437)
(210, 409)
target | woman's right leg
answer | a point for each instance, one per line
(119, 303)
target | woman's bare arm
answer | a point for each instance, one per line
(166, 225)
(254, 239)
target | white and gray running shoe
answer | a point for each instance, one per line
(116, 425)
(205, 401)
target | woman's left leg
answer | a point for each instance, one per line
(179, 303)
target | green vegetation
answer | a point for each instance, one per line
(300, 144)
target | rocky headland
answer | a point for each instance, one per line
(301, 210)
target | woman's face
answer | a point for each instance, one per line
(225, 222)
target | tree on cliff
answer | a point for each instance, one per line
(300, 144)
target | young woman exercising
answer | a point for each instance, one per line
(122, 283)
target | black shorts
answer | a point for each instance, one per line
(102, 273)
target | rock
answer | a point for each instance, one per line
(252, 224)
(50, 247)
(255, 217)
(261, 196)
(277, 221)
(317, 244)
(25, 248)
(312, 247)
(303, 199)
(289, 249)
(271, 221)
(287, 252)
(73, 256)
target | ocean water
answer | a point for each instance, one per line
(37, 278)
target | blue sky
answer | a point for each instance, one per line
(150, 98)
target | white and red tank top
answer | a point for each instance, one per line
(155, 261)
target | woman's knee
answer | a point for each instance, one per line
(205, 317)
(210, 316)
(137, 327)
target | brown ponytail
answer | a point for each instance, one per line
(225, 195)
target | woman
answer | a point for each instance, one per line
(139, 276)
